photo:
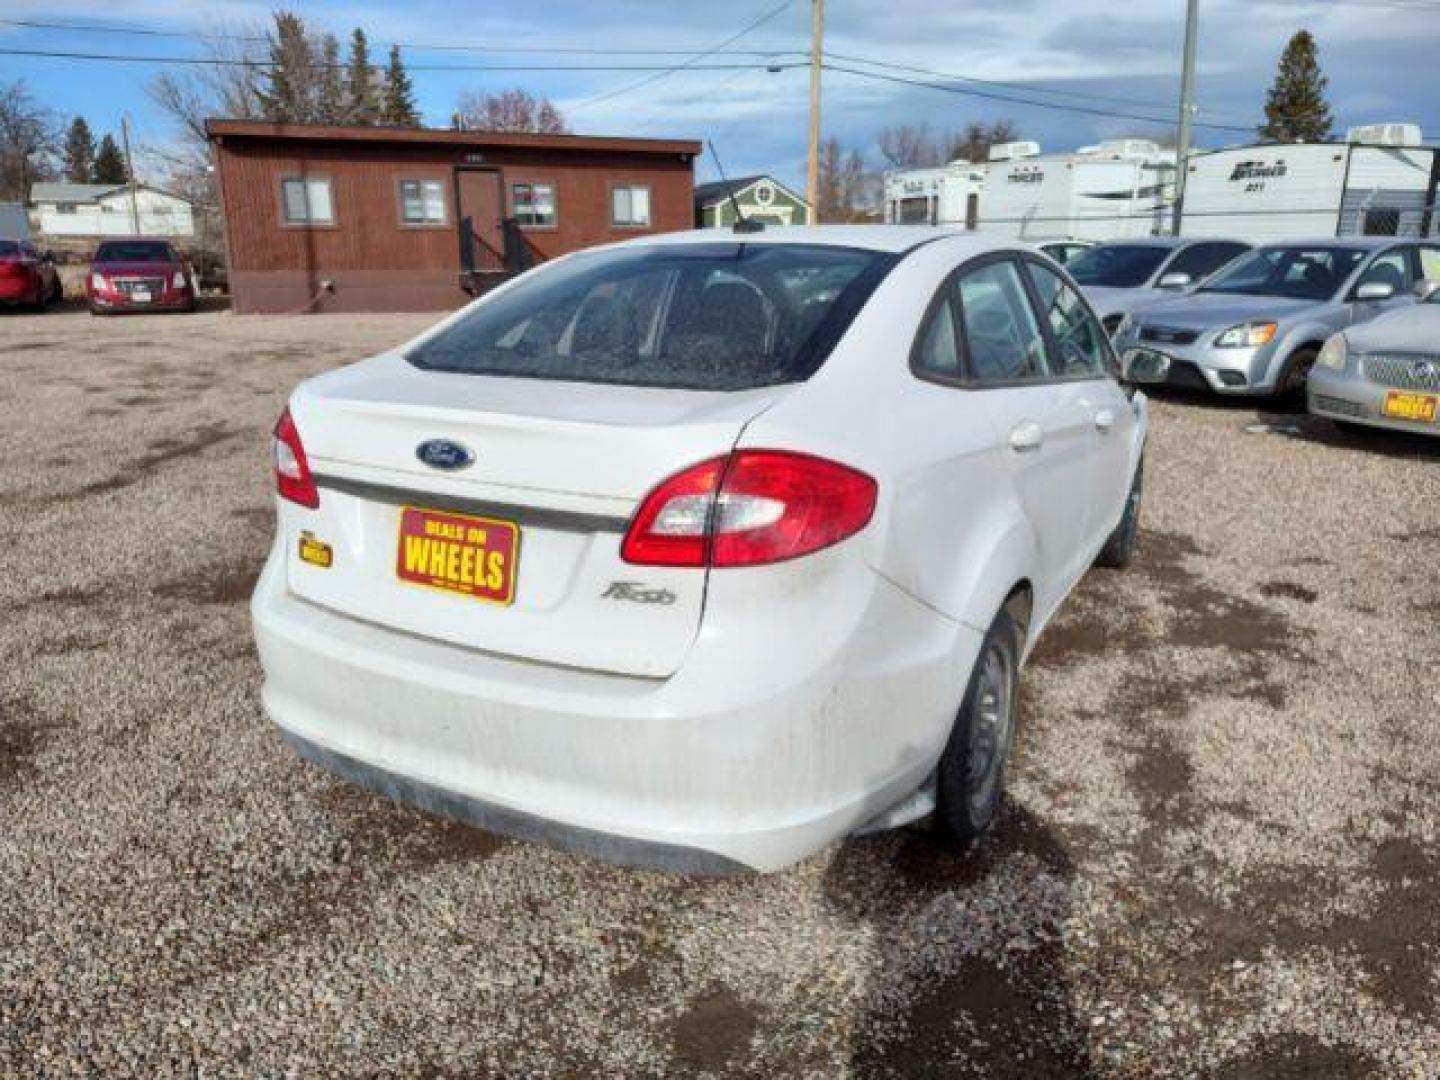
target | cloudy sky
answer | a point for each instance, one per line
(1101, 57)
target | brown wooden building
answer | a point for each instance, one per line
(400, 219)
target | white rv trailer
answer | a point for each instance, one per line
(1380, 182)
(944, 195)
(1112, 191)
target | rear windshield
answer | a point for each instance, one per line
(9, 249)
(1297, 273)
(695, 317)
(1117, 266)
(135, 251)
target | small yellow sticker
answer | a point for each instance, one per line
(315, 552)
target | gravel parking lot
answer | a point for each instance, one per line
(1219, 856)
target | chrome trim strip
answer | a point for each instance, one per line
(537, 517)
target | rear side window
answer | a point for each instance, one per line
(937, 351)
(1003, 342)
(1080, 348)
(695, 317)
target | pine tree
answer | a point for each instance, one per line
(361, 88)
(288, 88)
(1296, 109)
(330, 108)
(79, 152)
(109, 163)
(399, 93)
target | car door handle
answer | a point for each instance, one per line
(1104, 421)
(1026, 436)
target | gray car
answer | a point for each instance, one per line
(1257, 326)
(1125, 275)
(1385, 373)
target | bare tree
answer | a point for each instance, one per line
(909, 146)
(974, 140)
(845, 183)
(509, 110)
(29, 139)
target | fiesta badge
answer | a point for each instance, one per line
(444, 454)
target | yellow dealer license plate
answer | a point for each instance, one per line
(1403, 406)
(457, 553)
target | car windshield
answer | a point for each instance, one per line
(135, 251)
(695, 317)
(9, 249)
(1117, 266)
(1295, 273)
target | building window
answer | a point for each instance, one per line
(65, 208)
(307, 200)
(422, 202)
(630, 205)
(533, 204)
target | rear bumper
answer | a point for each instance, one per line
(1343, 396)
(18, 290)
(726, 765)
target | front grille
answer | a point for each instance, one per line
(130, 286)
(1167, 335)
(1406, 371)
(1338, 405)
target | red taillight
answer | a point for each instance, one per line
(292, 472)
(747, 509)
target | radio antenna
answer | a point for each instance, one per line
(742, 223)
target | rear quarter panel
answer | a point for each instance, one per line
(947, 527)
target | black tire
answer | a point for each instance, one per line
(1350, 427)
(971, 774)
(1120, 546)
(1290, 390)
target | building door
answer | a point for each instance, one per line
(481, 203)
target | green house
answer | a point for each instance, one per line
(761, 198)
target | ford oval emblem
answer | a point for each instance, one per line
(444, 454)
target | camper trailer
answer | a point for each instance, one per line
(1112, 191)
(1381, 181)
(945, 195)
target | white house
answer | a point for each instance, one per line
(107, 210)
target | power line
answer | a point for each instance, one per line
(206, 61)
(1059, 106)
(686, 65)
(414, 46)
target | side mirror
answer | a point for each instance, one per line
(1176, 280)
(1426, 288)
(1144, 366)
(1375, 290)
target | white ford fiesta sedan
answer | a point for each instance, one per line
(699, 551)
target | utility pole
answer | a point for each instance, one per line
(812, 160)
(1187, 111)
(130, 178)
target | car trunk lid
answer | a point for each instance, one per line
(563, 464)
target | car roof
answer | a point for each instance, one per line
(895, 239)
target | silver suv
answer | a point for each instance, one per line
(1258, 325)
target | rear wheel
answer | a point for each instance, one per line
(971, 773)
(1119, 549)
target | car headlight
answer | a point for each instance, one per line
(1248, 335)
(178, 281)
(1333, 353)
(98, 282)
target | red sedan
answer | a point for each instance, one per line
(27, 278)
(139, 275)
